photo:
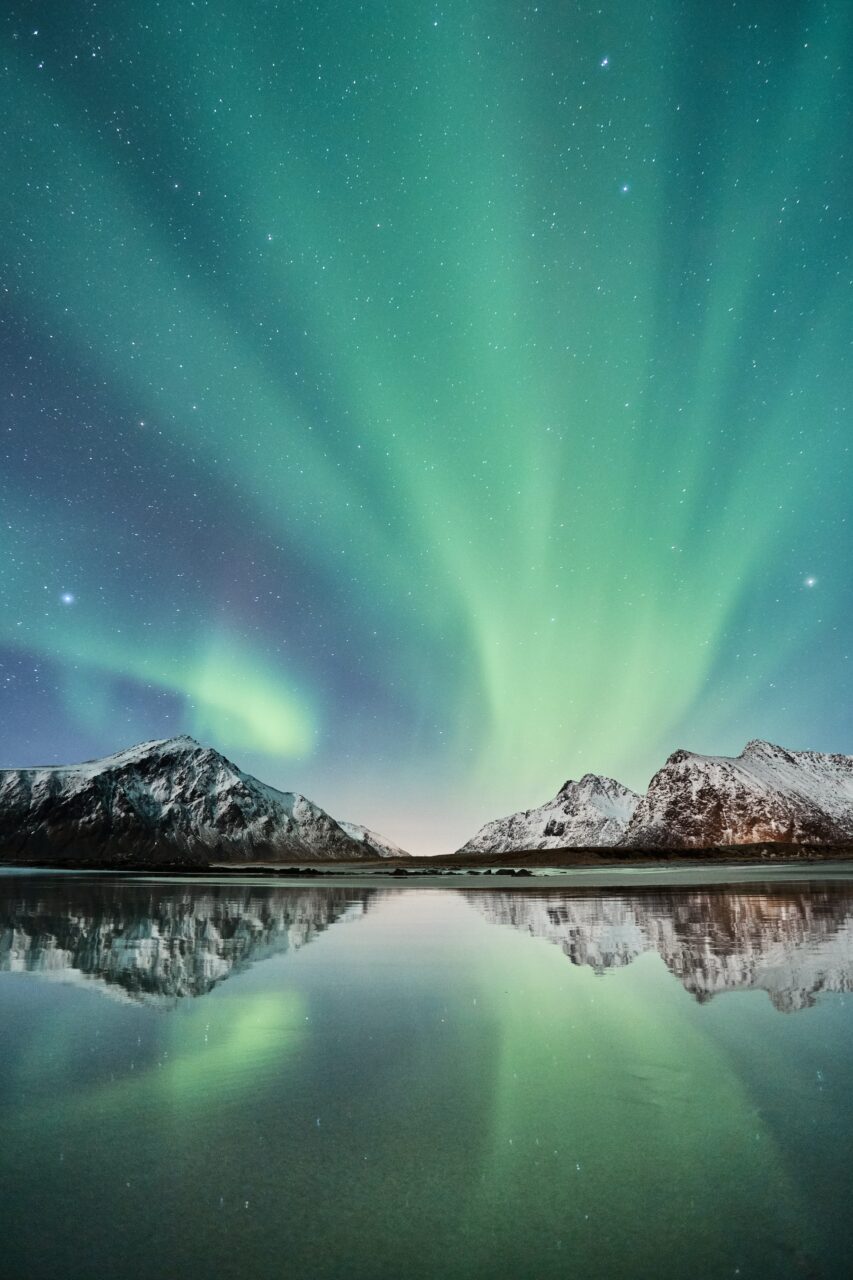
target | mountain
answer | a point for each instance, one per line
(160, 802)
(175, 801)
(379, 847)
(593, 811)
(764, 794)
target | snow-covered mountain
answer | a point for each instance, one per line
(176, 801)
(379, 847)
(159, 802)
(764, 794)
(592, 812)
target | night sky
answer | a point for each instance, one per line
(426, 403)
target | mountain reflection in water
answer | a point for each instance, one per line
(792, 941)
(162, 942)
(159, 941)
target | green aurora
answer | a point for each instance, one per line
(423, 404)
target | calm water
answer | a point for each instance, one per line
(371, 1081)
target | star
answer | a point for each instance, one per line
(338, 543)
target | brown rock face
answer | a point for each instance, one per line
(766, 794)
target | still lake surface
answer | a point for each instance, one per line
(483, 1078)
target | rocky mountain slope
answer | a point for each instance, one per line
(593, 811)
(175, 801)
(161, 802)
(379, 847)
(764, 794)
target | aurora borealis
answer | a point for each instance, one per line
(423, 404)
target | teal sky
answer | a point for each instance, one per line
(425, 403)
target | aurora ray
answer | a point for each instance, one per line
(425, 406)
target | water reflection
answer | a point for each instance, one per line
(792, 941)
(161, 942)
(158, 942)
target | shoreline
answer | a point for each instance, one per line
(526, 865)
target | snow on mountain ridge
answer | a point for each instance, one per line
(607, 795)
(129, 755)
(160, 800)
(173, 798)
(767, 793)
(590, 812)
(382, 848)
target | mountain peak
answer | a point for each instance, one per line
(761, 747)
(169, 799)
(755, 747)
(680, 755)
(593, 811)
(180, 742)
(151, 747)
(592, 784)
(147, 753)
(766, 794)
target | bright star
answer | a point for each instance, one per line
(605, 62)
(810, 582)
(67, 597)
(625, 188)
